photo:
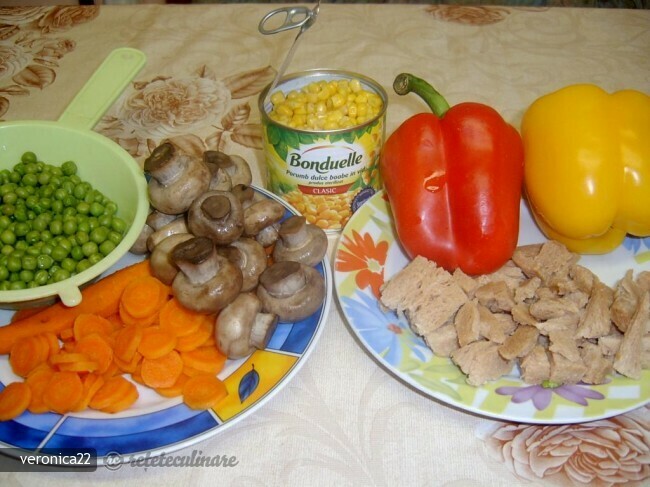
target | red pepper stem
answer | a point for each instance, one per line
(406, 83)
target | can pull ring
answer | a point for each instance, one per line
(290, 18)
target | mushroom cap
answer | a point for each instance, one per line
(207, 282)
(178, 225)
(249, 256)
(217, 215)
(262, 214)
(235, 166)
(162, 266)
(300, 241)
(177, 178)
(291, 290)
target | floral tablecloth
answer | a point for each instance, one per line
(342, 420)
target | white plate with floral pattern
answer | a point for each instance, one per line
(368, 254)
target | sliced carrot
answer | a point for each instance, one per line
(130, 320)
(180, 321)
(203, 391)
(127, 341)
(129, 366)
(112, 370)
(80, 366)
(156, 342)
(142, 296)
(191, 371)
(175, 390)
(205, 359)
(68, 358)
(67, 334)
(101, 297)
(126, 401)
(63, 392)
(163, 371)
(90, 323)
(26, 353)
(37, 380)
(196, 339)
(52, 343)
(14, 400)
(98, 349)
(112, 391)
(92, 383)
(115, 321)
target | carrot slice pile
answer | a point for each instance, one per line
(75, 359)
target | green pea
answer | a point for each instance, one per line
(81, 237)
(17, 285)
(82, 265)
(44, 178)
(14, 263)
(21, 245)
(60, 275)
(64, 242)
(5, 221)
(80, 190)
(15, 177)
(83, 208)
(28, 157)
(22, 191)
(29, 262)
(77, 253)
(41, 277)
(56, 227)
(30, 179)
(4, 273)
(93, 259)
(99, 234)
(8, 237)
(70, 227)
(89, 248)
(8, 209)
(59, 253)
(106, 247)
(44, 261)
(6, 250)
(57, 206)
(69, 168)
(10, 198)
(114, 237)
(110, 208)
(46, 236)
(21, 229)
(96, 209)
(69, 264)
(83, 226)
(26, 275)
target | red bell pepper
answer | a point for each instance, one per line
(454, 180)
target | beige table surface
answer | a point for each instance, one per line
(343, 419)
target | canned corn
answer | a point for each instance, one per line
(326, 174)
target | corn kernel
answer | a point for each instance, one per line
(277, 98)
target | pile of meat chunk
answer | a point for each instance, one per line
(542, 312)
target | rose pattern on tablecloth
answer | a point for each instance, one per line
(197, 112)
(30, 61)
(609, 452)
(471, 15)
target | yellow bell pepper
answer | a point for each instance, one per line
(587, 166)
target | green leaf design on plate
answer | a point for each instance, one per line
(434, 384)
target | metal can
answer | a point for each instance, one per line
(325, 174)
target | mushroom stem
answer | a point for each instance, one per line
(159, 164)
(263, 328)
(293, 231)
(283, 279)
(198, 259)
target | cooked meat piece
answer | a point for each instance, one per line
(596, 321)
(426, 293)
(598, 367)
(626, 300)
(466, 283)
(521, 315)
(535, 367)
(553, 261)
(548, 308)
(545, 292)
(509, 273)
(645, 357)
(496, 296)
(627, 360)
(520, 343)
(583, 278)
(568, 323)
(643, 281)
(527, 289)
(565, 371)
(481, 362)
(609, 344)
(496, 327)
(443, 341)
(562, 342)
(467, 323)
(579, 298)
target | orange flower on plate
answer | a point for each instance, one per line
(365, 257)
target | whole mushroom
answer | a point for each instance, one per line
(300, 241)
(206, 282)
(217, 215)
(177, 178)
(234, 166)
(245, 194)
(177, 225)
(162, 266)
(242, 327)
(250, 257)
(262, 220)
(291, 290)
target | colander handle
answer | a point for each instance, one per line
(104, 87)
